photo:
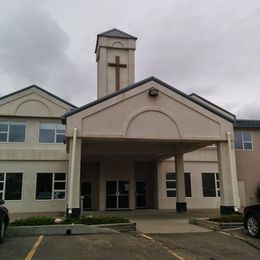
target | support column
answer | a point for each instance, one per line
(158, 184)
(181, 205)
(228, 178)
(74, 176)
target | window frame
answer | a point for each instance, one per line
(55, 132)
(52, 188)
(216, 182)
(242, 140)
(8, 131)
(4, 185)
(175, 189)
(171, 189)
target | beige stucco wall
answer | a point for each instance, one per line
(107, 49)
(248, 169)
(31, 149)
(33, 106)
(28, 203)
(195, 168)
(32, 103)
(126, 116)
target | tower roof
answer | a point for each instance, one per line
(117, 34)
(114, 33)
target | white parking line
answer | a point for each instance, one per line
(163, 246)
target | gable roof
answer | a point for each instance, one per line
(246, 123)
(135, 85)
(41, 89)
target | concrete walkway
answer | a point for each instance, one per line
(163, 226)
(152, 221)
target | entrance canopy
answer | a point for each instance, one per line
(147, 121)
(153, 111)
(137, 150)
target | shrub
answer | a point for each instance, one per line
(33, 221)
(228, 218)
(96, 220)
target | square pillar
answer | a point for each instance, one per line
(181, 205)
(228, 178)
(74, 187)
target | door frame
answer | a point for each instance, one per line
(117, 195)
(145, 207)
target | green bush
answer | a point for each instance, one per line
(96, 220)
(37, 221)
(228, 219)
(33, 221)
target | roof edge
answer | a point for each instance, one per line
(152, 78)
(39, 88)
(194, 94)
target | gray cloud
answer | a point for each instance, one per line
(208, 47)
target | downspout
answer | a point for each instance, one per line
(233, 173)
(72, 170)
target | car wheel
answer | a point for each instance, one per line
(253, 226)
(2, 230)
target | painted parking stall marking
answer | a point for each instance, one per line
(34, 248)
(163, 246)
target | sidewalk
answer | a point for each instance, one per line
(149, 220)
(161, 221)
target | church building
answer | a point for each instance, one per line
(140, 145)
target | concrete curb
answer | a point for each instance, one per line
(52, 230)
(120, 227)
(203, 222)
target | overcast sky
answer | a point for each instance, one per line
(211, 47)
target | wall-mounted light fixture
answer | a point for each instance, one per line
(153, 92)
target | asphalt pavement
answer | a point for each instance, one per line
(206, 245)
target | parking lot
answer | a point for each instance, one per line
(233, 244)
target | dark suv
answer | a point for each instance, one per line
(4, 220)
(252, 220)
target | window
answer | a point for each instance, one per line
(187, 184)
(210, 184)
(11, 131)
(52, 133)
(243, 140)
(11, 185)
(171, 184)
(50, 186)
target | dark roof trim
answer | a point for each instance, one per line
(114, 33)
(246, 123)
(196, 95)
(135, 85)
(41, 89)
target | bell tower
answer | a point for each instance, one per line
(115, 56)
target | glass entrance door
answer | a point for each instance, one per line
(140, 195)
(86, 190)
(117, 195)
